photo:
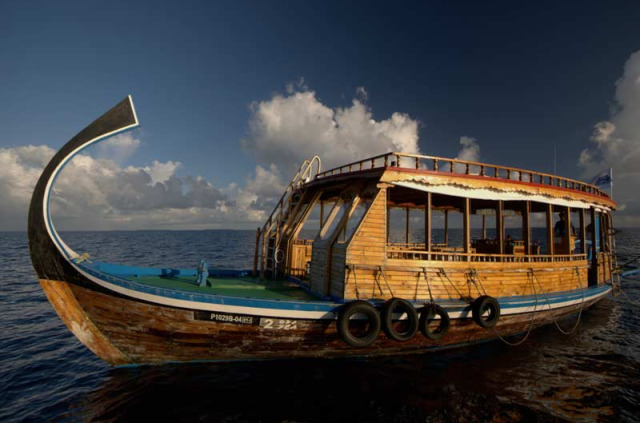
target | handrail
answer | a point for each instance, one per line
(457, 166)
(303, 176)
(408, 254)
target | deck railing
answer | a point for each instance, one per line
(461, 167)
(460, 256)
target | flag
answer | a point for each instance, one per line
(604, 178)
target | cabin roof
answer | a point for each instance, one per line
(467, 179)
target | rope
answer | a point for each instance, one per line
(385, 281)
(555, 321)
(441, 272)
(472, 275)
(355, 280)
(533, 316)
(83, 257)
(377, 280)
(426, 278)
(629, 300)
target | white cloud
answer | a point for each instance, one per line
(470, 152)
(290, 128)
(161, 172)
(98, 193)
(470, 149)
(616, 142)
(118, 148)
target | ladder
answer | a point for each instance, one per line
(269, 254)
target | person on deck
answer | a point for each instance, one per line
(560, 226)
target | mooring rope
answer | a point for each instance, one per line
(441, 273)
(352, 269)
(385, 280)
(426, 278)
(551, 310)
(533, 316)
(472, 276)
(629, 300)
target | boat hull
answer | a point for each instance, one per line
(121, 330)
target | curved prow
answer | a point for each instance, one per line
(49, 254)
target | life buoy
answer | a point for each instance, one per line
(482, 305)
(401, 330)
(428, 314)
(360, 332)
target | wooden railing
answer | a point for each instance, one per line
(394, 252)
(461, 167)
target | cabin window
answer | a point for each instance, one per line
(314, 221)
(538, 231)
(355, 218)
(334, 217)
(460, 229)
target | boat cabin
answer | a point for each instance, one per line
(421, 227)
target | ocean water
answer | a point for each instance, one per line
(47, 375)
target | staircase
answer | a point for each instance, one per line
(272, 240)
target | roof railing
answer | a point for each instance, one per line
(461, 167)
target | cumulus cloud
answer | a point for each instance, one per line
(470, 152)
(470, 149)
(118, 148)
(98, 193)
(616, 142)
(291, 128)
(20, 168)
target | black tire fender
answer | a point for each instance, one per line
(428, 314)
(366, 309)
(405, 307)
(482, 305)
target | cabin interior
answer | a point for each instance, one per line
(344, 239)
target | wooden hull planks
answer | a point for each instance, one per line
(122, 331)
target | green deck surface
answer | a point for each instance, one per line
(235, 287)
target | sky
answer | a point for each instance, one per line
(233, 96)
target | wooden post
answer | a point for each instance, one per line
(594, 250)
(388, 222)
(566, 239)
(583, 233)
(255, 254)
(484, 226)
(500, 226)
(446, 227)
(550, 229)
(407, 227)
(427, 225)
(526, 228)
(321, 214)
(465, 224)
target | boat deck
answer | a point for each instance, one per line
(246, 287)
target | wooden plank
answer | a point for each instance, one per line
(500, 225)
(428, 224)
(526, 227)
(550, 229)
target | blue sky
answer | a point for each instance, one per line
(519, 78)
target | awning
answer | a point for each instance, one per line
(491, 193)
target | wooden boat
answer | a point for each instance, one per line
(479, 268)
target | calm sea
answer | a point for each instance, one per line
(47, 375)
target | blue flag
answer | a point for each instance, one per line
(603, 178)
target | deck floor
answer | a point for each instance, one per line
(235, 287)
